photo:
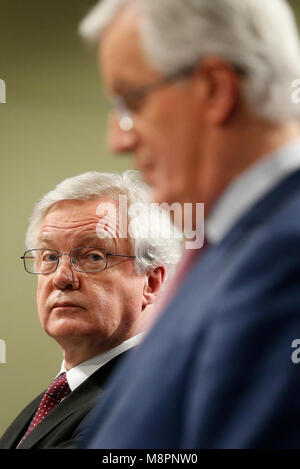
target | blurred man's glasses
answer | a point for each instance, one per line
(129, 103)
(83, 259)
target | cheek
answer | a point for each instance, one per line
(176, 166)
(41, 296)
(114, 305)
(175, 141)
(121, 291)
(39, 291)
(101, 295)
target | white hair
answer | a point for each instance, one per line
(155, 239)
(259, 37)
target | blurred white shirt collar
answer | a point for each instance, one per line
(249, 187)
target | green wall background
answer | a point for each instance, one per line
(52, 127)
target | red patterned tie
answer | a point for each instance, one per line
(58, 389)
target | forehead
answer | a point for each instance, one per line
(122, 55)
(69, 220)
(72, 211)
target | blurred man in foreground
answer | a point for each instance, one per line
(100, 252)
(203, 95)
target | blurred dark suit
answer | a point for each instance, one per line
(216, 370)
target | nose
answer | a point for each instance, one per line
(120, 141)
(65, 277)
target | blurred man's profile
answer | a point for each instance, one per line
(202, 95)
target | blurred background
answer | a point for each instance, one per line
(53, 126)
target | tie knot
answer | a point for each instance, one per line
(59, 388)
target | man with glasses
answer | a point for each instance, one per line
(203, 98)
(100, 253)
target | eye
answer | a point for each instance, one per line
(49, 257)
(128, 102)
(89, 260)
(134, 101)
(91, 254)
(95, 256)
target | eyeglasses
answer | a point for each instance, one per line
(83, 259)
(129, 103)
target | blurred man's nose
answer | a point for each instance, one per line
(120, 141)
(65, 277)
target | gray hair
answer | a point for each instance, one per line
(155, 239)
(258, 36)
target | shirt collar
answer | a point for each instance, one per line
(249, 187)
(79, 373)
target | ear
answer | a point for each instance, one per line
(152, 285)
(222, 89)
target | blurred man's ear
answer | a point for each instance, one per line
(152, 285)
(220, 89)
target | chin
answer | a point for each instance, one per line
(68, 328)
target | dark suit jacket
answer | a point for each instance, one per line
(61, 428)
(216, 369)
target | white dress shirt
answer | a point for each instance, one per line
(79, 373)
(249, 187)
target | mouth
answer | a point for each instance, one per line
(66, 306)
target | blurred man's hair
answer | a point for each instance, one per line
(259, 37)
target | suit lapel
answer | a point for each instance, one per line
(16, 430)
(85, 396)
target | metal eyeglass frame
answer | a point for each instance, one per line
(59, 255)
